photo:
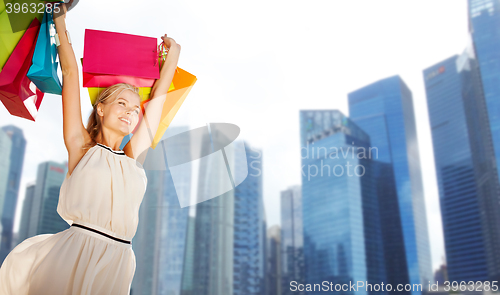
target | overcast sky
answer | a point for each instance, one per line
(259, 62)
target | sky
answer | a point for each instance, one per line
(258, 63)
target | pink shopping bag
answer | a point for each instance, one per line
(120, 54)
(19, 95)
(103, 80)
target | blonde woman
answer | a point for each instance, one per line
(101, 194)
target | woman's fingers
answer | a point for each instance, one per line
(169, 41)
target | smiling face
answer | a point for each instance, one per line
(121, 115)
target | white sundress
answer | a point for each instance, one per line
(104, 192)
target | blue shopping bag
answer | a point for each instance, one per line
(43, 71)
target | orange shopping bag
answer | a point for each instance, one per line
(182, 82)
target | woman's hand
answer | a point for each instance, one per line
(63, 9)
(169, 42)
(148, 126)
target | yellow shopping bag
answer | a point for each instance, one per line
(182, 82)
(143, 92)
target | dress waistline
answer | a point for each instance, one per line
(106, 235)
(99, 230)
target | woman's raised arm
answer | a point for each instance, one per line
(75, 134)
(143, 137)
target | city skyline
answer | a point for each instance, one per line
(419, 44)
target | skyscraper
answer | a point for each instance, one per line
(188, 269)
(229, 235)
(5, 148)
(273, 275)
(10, 194)
(44, 218)
(467, 176)
(342, 235)
(384, 110)
(484, 27)
(160, 241)
(292, 238)
(249, 228)
(26, 213)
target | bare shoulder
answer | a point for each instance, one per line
(132, 150)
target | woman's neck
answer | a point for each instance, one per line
(111, 141)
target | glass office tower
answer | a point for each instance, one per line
(25, 214)
(5, 149)
(273, 283)
(229, 230)
(160, 241)
(467, 178)
(187, 287)
(342, 235)
(249, 228)
(44, 218)
(11, 193)
(484, 27)
(384, 110)
(292, 238)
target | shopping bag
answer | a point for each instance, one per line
(9, 36)
(103, 80)
(120, 54)
(18, 94)
(183, 82)
(43, 71)
(2, 4)
(95, 91)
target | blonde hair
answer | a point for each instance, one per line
(94, 124)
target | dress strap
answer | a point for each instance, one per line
(111, 150)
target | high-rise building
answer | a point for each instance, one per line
(26, 213)
(292, 239)
(467, 176)
(384, 110)
(342, 234)
(188, 270)
(229, 231)
(273, 273)
(249, 228)
(44, 218)
(5, 149)
(484, 28)
(160, 241)
(10, 193)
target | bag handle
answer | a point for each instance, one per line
(162, 53)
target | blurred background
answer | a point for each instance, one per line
(310, 85)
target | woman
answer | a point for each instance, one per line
(101, 194)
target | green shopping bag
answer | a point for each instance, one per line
(2, 4)
(8, 38)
